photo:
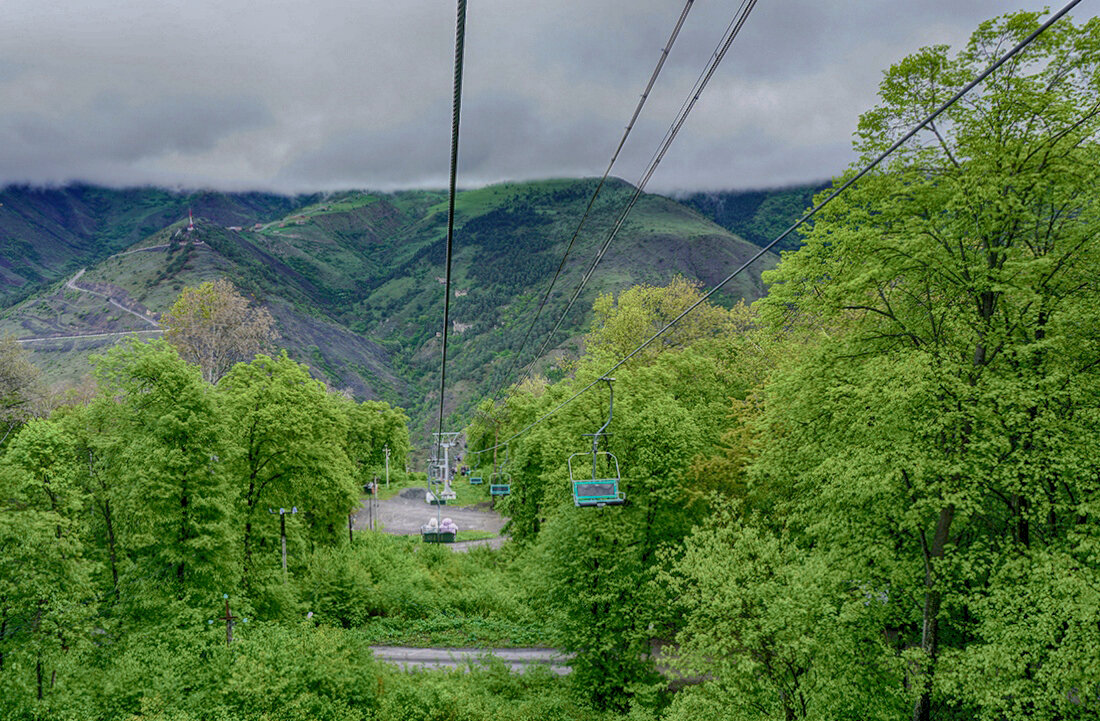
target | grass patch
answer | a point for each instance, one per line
(474, 535)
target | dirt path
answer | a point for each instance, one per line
(517, 659)
(138, 250)
(406, 513)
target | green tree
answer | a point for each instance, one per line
(622, 322)
(164, 457)
(953, 395)
(287, 440)
(374, 426)
(775, 631)
(671, 405)
(214, 326)
(20, 388)
(44, 590)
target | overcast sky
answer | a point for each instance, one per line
(330, 94)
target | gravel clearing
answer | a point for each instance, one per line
(404, 514)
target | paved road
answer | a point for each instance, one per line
(86, 335)
(464, 546)
(517, 659)
(406, 513)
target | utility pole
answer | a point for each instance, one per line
(229, 619)
(372, 503)
(387, 451)
(282, 532)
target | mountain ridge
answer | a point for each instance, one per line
(353, 278)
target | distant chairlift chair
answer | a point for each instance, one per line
(602, 488)
(435, 532)
(500, 483)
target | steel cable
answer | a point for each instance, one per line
(595, 194)
(809, 214)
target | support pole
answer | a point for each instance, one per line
(229, 619)
(282, 534)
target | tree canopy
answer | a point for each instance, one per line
(215, 327)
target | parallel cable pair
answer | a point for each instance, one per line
(716, 58)
(809, 214)
(595, 194)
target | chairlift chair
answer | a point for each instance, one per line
(602, 488)
(500, 483)
(431, 532)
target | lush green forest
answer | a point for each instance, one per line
(872, 494)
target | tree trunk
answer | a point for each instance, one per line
(247, 552)
(3, 630)
(249, 504)
(929, 642)
(181, 567)
(111, 554)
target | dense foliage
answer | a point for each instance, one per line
(901, 516)
(129, 516)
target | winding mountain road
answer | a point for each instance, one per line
(72, 285)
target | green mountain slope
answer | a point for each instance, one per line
(353, 279)
(758, 216)
(50, 233)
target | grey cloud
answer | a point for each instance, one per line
(502, 137)
(117, 131)
(296, 96)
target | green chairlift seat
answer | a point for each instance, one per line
(437, 536)
(602, 489)
(500, 484)
(476, 480)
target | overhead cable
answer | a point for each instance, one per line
(460, 44)
(595, 194)
(670, 135)
(809, 214)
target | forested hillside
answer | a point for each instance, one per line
(353, 279)
(48, 233)
(758, 216)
